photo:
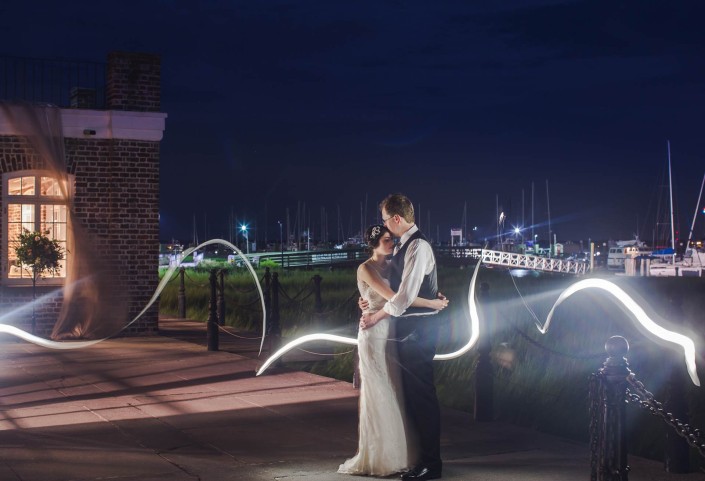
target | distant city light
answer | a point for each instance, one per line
(517, 230)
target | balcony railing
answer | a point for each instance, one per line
(64, 83)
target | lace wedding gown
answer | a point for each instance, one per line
(383, 447)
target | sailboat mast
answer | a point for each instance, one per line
(670, 189)
(697, 206)
(548, 209)
(532, 214)
(497, 217)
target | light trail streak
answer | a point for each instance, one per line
(639, 314)
(473, 324)
(40, 341)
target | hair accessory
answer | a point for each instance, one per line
(375, 232)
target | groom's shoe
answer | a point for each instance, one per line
(421, 473)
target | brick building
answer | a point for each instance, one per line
(101, 202)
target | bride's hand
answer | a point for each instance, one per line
(363, 304)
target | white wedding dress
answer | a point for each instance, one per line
(383, 446)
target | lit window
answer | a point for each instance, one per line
(33, 201)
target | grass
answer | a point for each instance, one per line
(539, 380)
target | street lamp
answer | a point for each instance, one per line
(243, 228)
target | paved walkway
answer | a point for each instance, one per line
(164, 408)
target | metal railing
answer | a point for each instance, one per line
(609, 395)
(314, 258)
(514, 260)
(64, 83)
(321, 258)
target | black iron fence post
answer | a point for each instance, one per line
(212, 327)
(276, 328)
(221, 297)
(317, 292)
(610, 456)
(484, 378)
(182, 293)
(268, 299)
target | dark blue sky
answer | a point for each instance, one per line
(329, 103)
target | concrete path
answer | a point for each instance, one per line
(163, 408)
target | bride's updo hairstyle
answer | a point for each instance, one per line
(373, 235)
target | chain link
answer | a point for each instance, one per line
(345, 303)
(293, 299)
(579, 357)
(645, 400)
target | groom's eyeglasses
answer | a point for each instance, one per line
(384, 221)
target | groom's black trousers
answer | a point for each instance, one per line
(417, 345)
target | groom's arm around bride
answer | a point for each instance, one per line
(413, 274)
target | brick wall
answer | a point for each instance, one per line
(116, 200)
(133, 82)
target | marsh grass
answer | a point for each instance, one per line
(540, 381)
(297, 302)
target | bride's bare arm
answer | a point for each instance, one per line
(372, 279)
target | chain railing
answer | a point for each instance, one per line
(645, 400)
(609, 394)
(273, 292)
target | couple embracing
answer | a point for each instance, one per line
(399, 430)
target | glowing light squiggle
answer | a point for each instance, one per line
(302, 340)
(639, 315)
(474, 323)
(40, 341)
(474, 326)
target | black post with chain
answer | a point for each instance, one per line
(318, 305)
(182, 293)
(212, 326)
(221, 297)
(608, 438)
(276, 327)
(268, 299)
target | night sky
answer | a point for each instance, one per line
(331, 104)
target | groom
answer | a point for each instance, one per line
(413, 274)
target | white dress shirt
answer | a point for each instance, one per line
(418, 262)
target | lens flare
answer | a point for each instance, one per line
(12, 330)
(640, 317)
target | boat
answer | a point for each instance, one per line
(618, 254)
(691, 264)
(668, 263)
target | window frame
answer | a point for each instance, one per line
(37, 200)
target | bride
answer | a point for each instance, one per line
(384, 447)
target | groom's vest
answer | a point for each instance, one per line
(429, 286)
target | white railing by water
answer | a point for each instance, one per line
(538, 263)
